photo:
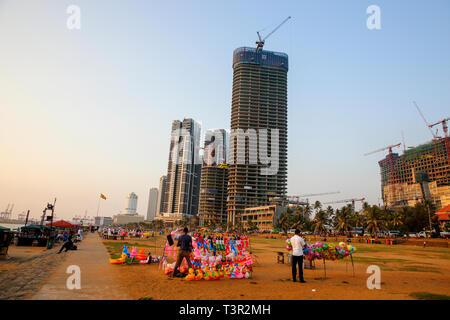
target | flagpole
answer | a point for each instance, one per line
(98, 207)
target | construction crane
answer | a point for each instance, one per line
(391, 163)
(346, 201)
(445, 130)
(426, 122)
(260, 43)
(297, 198)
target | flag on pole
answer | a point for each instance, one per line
(102, 196)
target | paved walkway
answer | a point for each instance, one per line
(98, 277)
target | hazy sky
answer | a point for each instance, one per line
(89, 111)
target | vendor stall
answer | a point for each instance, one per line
(34, 234)
(6, 235)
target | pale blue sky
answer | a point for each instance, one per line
(89, 111)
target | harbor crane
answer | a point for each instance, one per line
(260, 43)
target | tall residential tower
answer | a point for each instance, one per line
(152, 204)
(259, 101)
(183, 171)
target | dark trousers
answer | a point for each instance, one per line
(67, 246)
(297, 260)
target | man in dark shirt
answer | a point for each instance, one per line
(185, 244)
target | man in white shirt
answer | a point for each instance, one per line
(297, 256)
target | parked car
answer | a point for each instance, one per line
(394, 234)
(445, 235)
(423, 234)
(413, 235)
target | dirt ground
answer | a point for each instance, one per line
(405, 271)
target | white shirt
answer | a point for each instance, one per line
(297, 245)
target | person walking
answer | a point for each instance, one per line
(297, 256)
(185, 244)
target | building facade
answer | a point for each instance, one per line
(421, 172)
(127, 218)
(214, 180)
(265, 217)
(161, 192)
(259, 101)
(131, 203)
(103, 221)
(182, 192)
(152, 204)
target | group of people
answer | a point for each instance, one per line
(121, 233)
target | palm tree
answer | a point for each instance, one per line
(320, 221)
(307, 211)
(344, 219)
(285, 221)
(358, 219)
(396, 219)
(317, 206)
(374, 219)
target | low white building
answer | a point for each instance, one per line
(127, 218)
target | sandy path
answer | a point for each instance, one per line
(272, 281)
(97, 275)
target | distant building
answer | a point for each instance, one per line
(103, 221)
(181, 197)
(421, 172)
(127, 218)
(131, 203)
(213, 195)
(161, 192)
(265, 217)
(152, 204)
(214, 179)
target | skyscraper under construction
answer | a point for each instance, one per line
(259, 101)
(419, 173)
(214, 181)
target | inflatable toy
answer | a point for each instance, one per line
(120, 260)
(191, 275)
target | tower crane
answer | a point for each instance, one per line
(297, 198)
(260, 43)
(445, 130)
(426, 122)
(391, 163)
(346, 201)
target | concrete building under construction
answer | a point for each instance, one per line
(420, 172)
(214, 179)
(259, 102)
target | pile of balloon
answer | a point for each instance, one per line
(134, 257)
(214, 257)
(321, 250)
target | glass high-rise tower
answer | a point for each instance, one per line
(259, 101)
(182, 186)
